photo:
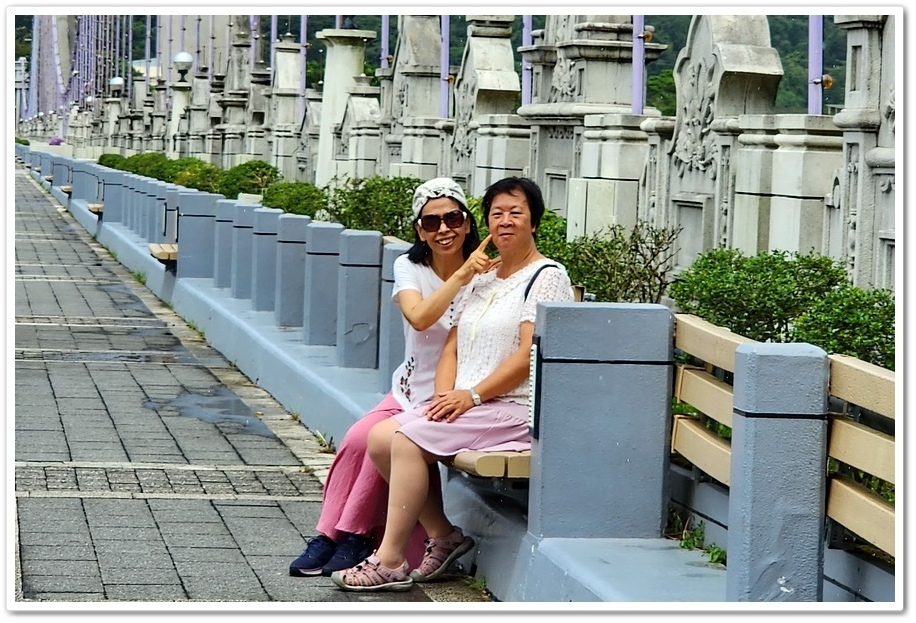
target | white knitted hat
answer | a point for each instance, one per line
(435, 188)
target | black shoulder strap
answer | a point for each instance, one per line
(535, 276)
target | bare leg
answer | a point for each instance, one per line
(379, 445)
(409, 500)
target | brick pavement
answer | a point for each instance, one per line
(146, 467)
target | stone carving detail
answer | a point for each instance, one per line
(563, 132)
(852, 172)
(465, 102)
(889, 109)
(887, 183)
(563, 83)
(694, 145)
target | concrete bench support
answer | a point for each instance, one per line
(607, 402)
(222, 252)
(154, 224)
(391, 324)
(358, 298)
(197, 224)
(242, 234)
(264, 258)
(319, 313)
(779, 427)
(290, 291)
(115, 194)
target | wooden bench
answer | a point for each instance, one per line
(165, 253)
(47, 178)
(95, 208)
(66, 188)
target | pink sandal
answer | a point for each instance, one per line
(440, 553)
(370, 575)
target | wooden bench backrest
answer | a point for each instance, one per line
(863, 448)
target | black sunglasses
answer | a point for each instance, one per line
(432, 222)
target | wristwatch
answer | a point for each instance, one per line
(475, 397)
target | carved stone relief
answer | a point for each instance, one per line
(694, 144)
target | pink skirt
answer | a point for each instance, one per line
(494, 425)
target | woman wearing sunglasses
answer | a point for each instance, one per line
(481, 399)
(446, 254)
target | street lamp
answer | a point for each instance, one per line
(116, 84)
(183, 61)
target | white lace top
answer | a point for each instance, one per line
(490, 313)
(414, 380)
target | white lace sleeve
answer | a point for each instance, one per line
(551, 285)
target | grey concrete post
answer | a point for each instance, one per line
(242, 228)
(60, 171)
(173, 195)
(134, 196)
(82, 181)
(114, 194)
(154, 230)
(222, 252)
(264, 258)
(358, 285)
(197, 225)
(776, 500)
(290, 291)
(601, 421)
(47, 167)
(391, 323)
(319, 312)
(146, 201)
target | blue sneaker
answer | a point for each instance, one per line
(353, 549)
(317, 553)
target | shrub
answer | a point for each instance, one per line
(375, 203)
(851, 321)
(22, 141)
(248, 177)
(112, 161)
(759, 296)
(146, 164)
(168, 170)
(620, 265)
(295, 197)
(200, 175)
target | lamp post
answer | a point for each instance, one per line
(116, 85)
(181, 99)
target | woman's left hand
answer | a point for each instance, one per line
(449, 405)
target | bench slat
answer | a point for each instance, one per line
(862, 447)
(702, 447)
(164, 252)
(864, 512)
(705, 393)
(706, 341)
(486, 464)
(95, 208)
(864, 384)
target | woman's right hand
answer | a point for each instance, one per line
(478, 262)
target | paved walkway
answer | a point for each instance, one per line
(146, 467)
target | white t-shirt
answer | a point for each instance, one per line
(490, 313)
(414, 380)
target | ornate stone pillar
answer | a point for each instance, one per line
(861, 227)
(346, 50)
(415, 98)
(285, 121)
(488, 141)
(581, 65)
